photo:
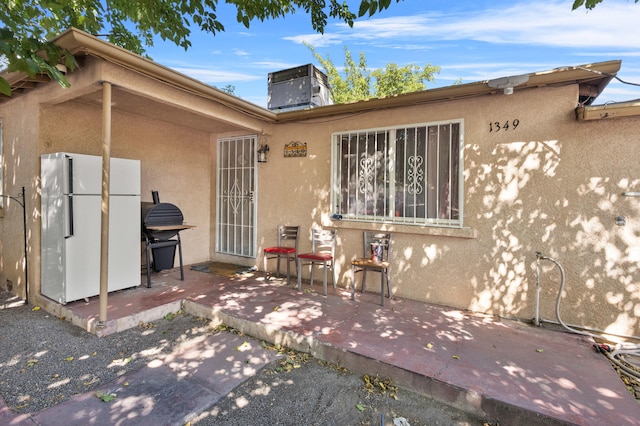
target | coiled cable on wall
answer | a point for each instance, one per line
(619, 355)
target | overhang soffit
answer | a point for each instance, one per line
(156, 108)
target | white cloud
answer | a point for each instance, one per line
(480, 71)
(613, 54)
(617, 92)
(542, 23)
(216, 76)
(275, 65)
(240, 52)
(552, 24)
(411, 46)
(317, 40)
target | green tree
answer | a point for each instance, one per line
(229, 88)
(357, 85)
(394, 80)
(354, 86)
(27, 26)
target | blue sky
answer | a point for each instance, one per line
(469, 40)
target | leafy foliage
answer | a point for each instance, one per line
(229, 88)
(588, 4)
(394, 80)
(356, 85)
(29, 25)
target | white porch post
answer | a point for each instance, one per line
(104, 235)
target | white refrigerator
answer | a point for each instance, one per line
(71, 225)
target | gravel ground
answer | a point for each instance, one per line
(45, 360)
(313, 393)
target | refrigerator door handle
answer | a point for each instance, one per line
(70, 174)
(69, 231)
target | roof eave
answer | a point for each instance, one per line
(77, 42)
(607, 111)
(592, 77)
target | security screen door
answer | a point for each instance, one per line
(236, 207)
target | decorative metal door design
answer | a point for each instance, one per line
(236, 207)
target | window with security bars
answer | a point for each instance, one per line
(408, 175)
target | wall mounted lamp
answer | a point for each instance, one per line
(262, 153)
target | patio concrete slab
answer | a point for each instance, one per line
(8, 417)
(167, 392)
(505, 371)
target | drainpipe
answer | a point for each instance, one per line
(104, 235)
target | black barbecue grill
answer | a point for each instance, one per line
(161, 226)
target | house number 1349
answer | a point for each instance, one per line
(496, 126)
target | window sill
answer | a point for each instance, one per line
(440, 231)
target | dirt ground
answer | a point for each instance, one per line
(300, 390)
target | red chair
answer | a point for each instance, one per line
(323, 248)
(286, 249)
(377, 249)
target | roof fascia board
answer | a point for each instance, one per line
(607, 111)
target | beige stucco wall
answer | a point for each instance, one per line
(173, 161)
(19, 136)
(552, 185)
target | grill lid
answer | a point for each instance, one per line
(161, 214)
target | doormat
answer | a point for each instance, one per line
(224, 269)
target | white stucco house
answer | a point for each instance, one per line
(472, 180)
